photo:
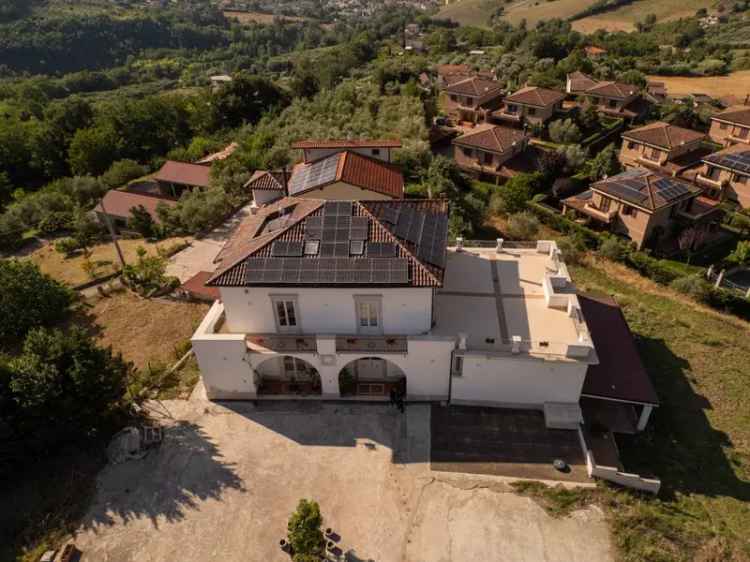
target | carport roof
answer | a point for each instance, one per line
(620, 374)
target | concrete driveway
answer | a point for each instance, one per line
(224, 482)
(200, 255)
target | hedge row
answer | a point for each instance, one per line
(648, 266)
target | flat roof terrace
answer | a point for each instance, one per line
(498, 300)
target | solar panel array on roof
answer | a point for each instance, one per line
(389, 215)
(300, 271)
(670, 189)
(314, 175)
(338, 208)
(633, 186)
(739, 161)
(432, 243)
(283, 249)
(382, 250)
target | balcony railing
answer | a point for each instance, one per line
(263, 343)
(705, 180)
(374, 344)
(605, 216)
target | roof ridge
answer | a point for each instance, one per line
(650, 191)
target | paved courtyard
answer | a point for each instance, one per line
(224, 482)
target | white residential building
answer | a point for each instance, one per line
(348, 300)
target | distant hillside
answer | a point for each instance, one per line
(625, 17)
(478, 12)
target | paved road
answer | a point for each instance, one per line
(224, 482)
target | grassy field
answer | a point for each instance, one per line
(625, 18)
(258, 17)
(698, 442)
(70, 270)
(144, 331)
(736, 83)
(477, 12)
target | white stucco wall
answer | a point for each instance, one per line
(318, 153)
(342, 191)
(406, 311)
(523, 381)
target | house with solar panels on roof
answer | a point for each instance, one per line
(726, 175)
(644, 205)
(353, 299)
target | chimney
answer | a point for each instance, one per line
(499, 247)
(285, 180)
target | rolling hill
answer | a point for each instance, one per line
(625, 17)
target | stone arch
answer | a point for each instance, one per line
(371, 376)
(283, 375)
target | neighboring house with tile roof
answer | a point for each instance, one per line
(313, 149)
(176, 177)
(617, 99)
(643, 205)
(117, 204)
(346, 175)
(663, 147)
(352, 299)
(471, 99)
(577, 83)
(267, 186)
(484, 153)
(531, 104)
(731, 126)
(726, 174)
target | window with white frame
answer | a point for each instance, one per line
(286, 312)
(369, 314)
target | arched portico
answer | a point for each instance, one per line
(371, 376)
(284, 375)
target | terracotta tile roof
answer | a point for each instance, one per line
(347, 143)
(617, 90)
(663, 135)
(265, 180)
(348, 167)
(196, 287)
(620, 374)
(118, 203)
(739, 115)
(251, 240)
(532, 95)
(223, 154)
(496, 139)
(646, 189)
(580, 82)
(593, 50)
(184, 174)
(475, 87)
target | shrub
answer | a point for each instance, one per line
(196, 211)
(66, 246)
(121, 172)
(29, 299)
(692, 285)
(305, 536)
(148, 275)
(614, 249)
(141, 222)
(523, 226)
(564, 131)
(572, 248)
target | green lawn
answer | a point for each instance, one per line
(698, 441)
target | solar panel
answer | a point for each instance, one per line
(381, 249)
(389, 215)
(359, 228)
(337, 208)
(314, 175)
(405, 218)
(311, 247)
(337, 249)
(434, 240)
(297, 271)
(281, 248)
(415, 229)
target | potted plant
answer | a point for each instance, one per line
(305, 537)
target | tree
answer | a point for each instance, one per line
(86, 230)
(244, 100)
(575, 158)
(603, 164)
(634, 77)
(29, 299)
(92, 151)
(564, 131)
(741, 253)
(141, 222)
(516, 192)
(148, 274)
(305, 536)
(523, 226)
(121, 172)
(64, 388)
